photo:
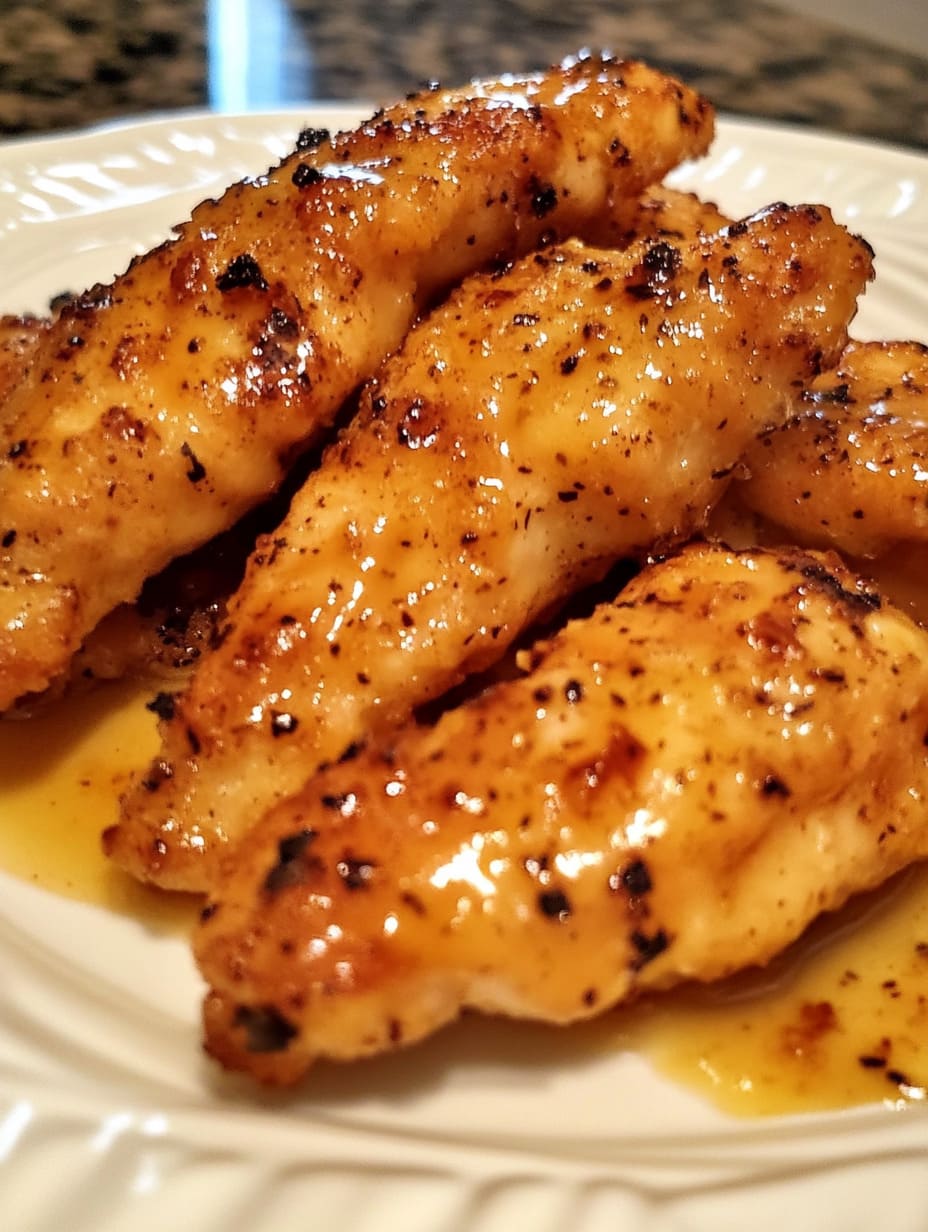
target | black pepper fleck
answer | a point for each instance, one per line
(356, 874)
(292, 862)
(555, 905)
(266, 1029)
(312, 138)
(162, 704)
(774, 786)
(635, 878)
(544, 198)
(647, 947)
(197, 471)
(304, 175)
(242, 271)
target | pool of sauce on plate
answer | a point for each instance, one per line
(61, 775)
(838, 1020)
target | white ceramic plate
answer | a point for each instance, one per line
(109, 1119)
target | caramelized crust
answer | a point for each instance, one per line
(676, 789)
(585, 406)
(159, 408)
(851, 470)
(666, 213)
(178, 612)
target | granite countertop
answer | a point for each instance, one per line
(65, 64)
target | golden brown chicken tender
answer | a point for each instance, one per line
(850, 471)
(177, 613)
(676, 789)
(585, 406)
(668, 213)
(159, 408)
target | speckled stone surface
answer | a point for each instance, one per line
(68, 63)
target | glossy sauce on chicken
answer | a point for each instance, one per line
(582, 406)
(156, 410)
(289, 983)
(601, 828)
(850, 470)
(798, 1036)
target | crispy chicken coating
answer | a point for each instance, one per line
(583, 407)
(678, 786)
(850, 471)
(159, 408)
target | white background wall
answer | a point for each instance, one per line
(899, 23)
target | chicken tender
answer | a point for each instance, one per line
(851, 470)
(177, 612)
(159, 408)
(680, 784)
(847, 473)
(582, 408)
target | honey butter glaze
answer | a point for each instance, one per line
(839, 1019)
(847, 471)
(679, 785)
(61, 773)
(579, 407)
(158, 409)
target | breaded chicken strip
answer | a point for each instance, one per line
(583, 407)
(677, 788)
(159, 408)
